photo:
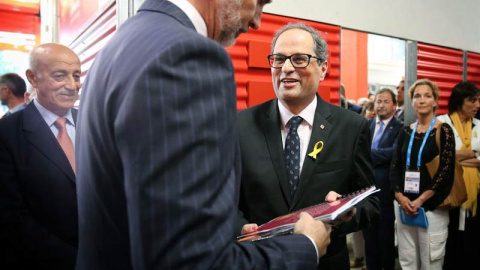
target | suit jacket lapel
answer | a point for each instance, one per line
(388, 130)
(39, 134)
(271, 129)
(372, 123)
(320, 132)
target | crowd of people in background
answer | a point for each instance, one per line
(451, 238)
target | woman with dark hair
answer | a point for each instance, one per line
(368, 110)
(463, 244)
(415, 189)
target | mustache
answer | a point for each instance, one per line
(67, 92)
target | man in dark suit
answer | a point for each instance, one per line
(399, 112)
(12, 91)
(159, 182)
(347, 104)
(38, 209)
(334, 152)
(380, 236)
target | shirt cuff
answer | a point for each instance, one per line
(314, 245)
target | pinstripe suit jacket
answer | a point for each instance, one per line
(159, 165)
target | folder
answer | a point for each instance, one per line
(327, 212)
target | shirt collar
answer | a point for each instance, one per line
(308, 114)
(18, 107)
(50, 117)
(385, 122)
(193, 15)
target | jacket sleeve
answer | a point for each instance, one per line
(368, 211)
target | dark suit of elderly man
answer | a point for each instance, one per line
(38, 204)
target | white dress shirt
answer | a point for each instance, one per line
(193, 15)
(377, 125)
(304, 129)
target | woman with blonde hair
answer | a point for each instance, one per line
(415, 190)
(463, 243)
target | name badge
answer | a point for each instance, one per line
(412, 182)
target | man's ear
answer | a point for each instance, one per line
(323, 70)
(32, 78)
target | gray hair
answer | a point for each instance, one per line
(319, 44)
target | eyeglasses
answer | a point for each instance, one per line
(298, 60)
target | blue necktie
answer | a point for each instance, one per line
(292, 154)
(376, 140)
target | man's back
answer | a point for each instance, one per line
(158, 182)
(130, 92)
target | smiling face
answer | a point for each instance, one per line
(55, 74)
(296, 87)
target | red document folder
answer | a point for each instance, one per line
(326, 212)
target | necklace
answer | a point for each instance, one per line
(422, 129)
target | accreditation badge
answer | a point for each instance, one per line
(412, 182)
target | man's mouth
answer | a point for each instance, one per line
(289, 80)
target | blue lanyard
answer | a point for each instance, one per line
(409, 151)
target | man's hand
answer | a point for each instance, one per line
(333, 196)
(315, 229)
(249, 228)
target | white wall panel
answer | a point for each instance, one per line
(447, 23)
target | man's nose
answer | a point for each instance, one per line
(287, 66)
(255, 22)
(72, 83)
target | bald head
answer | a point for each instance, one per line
(48, 52)
(55, 74)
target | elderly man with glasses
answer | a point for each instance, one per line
(298, 150)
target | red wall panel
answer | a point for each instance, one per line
(443, 66)
(252, 72)
(21, 6)
(22, 23)
(473, 68)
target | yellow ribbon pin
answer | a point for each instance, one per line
(316, 149)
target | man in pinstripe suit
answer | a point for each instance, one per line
(159, 164)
